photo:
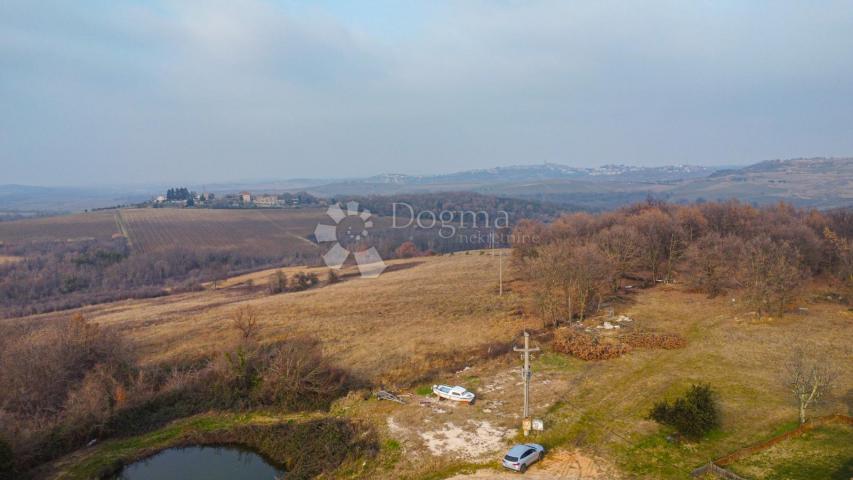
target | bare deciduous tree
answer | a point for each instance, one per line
(773, 272)
(656, 233)
(809, 375)
(620, 245)
(246, 321)
(713, 262)
(569, 280)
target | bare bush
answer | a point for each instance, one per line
(297, 375)
(41, 368)
(92, 402)
(245, 320)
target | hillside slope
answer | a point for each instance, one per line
(420, 311)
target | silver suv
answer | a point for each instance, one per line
(523, 455)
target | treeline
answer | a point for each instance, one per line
(56, 276)
(74, 381)
(580, 259)
(446, 222)
(457, 202)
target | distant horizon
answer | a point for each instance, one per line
(273, 179)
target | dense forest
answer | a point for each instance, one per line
(766, 254)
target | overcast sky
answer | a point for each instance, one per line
(113, 91)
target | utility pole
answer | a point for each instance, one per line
(500, 264)
(500, 273)
(526, 374)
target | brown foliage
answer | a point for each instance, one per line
(526, 237)
(585, 346)
(41, 368)
(772, 273)
(570, 280)
(666, 341)
(407, 250)
(713, 263)
(296, 374)
(766, 251)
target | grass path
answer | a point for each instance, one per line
(122, 228)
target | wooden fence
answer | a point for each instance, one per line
(817, 422)
(715, 467)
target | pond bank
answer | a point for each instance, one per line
(304, 444)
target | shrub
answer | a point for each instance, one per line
(304, 281)
(585, 346)
(296, 375)
(277, 282)
(407, 250)
(693, 415)
(332, 277)
(41, 367)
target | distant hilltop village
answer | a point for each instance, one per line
(182, 197)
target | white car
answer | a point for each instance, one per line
(523, 455)
(456, 393)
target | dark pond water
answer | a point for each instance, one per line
(201, 463)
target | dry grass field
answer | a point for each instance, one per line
(95, 225)
(418, 309)
(273, 232)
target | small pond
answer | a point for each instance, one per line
(201, 463)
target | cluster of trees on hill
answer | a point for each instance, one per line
(580, 259)
(177, 194)
(55, 276)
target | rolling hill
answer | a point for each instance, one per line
(814, 182)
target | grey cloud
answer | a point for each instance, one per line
(202, 91)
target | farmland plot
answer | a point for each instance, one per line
(99, 225)
(272, 232)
